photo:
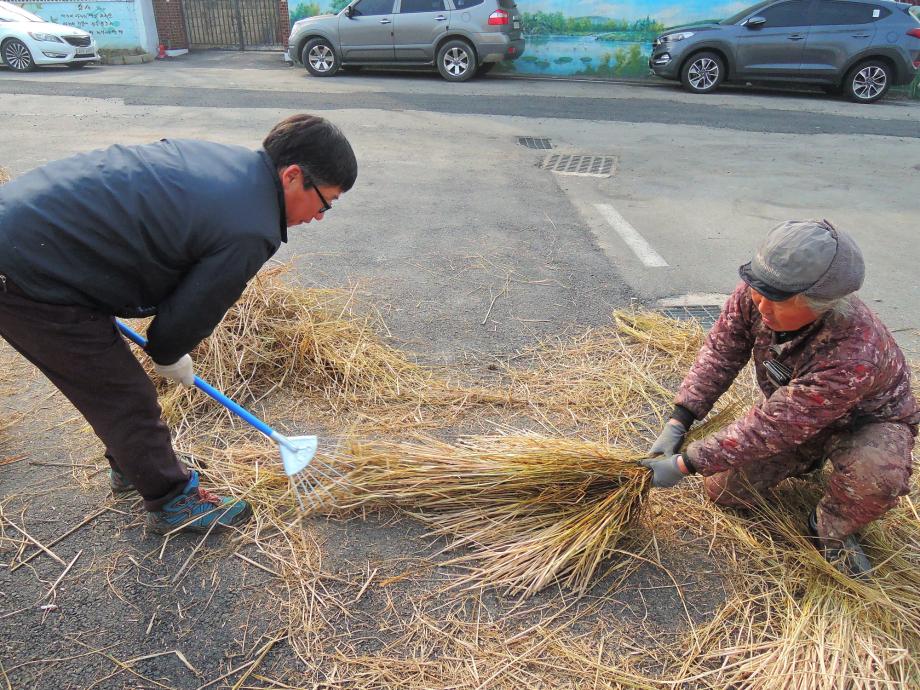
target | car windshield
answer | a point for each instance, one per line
(735, 18)
(11, 13)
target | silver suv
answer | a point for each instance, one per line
(459, 37)
(860, 47)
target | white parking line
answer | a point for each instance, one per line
(642, 249)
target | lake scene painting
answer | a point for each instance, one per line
(597, 38)
(587, 38)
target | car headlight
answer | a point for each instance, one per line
(48, 38)
(679, 36)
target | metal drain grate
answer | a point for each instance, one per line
(586, 166)
(706, 314)
(535, 143)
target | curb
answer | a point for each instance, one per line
(128, 59)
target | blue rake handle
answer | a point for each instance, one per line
(237, 409)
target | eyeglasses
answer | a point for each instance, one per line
(326, 204)
(307, 183)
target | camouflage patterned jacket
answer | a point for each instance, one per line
(846, 370)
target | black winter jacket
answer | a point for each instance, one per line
(176, 228)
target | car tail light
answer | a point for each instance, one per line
(499, 18)
(913, 32)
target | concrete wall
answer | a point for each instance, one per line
(115, 24)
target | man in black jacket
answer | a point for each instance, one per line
(173, 230)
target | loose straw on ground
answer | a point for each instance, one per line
(315, 346)
(796, 622)
(530, 511)
(791, 621)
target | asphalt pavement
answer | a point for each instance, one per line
(469, 243)
(696, 179)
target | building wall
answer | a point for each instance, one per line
(170, 23)
(115, 24)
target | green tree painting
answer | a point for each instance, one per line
(302, 11)
(557, 24)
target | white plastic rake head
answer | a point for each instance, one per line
(311, 479)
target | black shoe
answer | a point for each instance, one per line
(846, 555)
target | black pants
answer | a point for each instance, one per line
(83, 354)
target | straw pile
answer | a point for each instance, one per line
(528, 511)
(534, 511)
(324, 355)
(4, 175)
(319, 355)
(520, 511)
(793, 620)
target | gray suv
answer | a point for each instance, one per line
(459, 37)
(859, 47)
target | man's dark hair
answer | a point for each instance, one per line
(317, 146)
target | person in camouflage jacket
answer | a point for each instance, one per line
(835, 386)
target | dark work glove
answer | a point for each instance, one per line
(669, 440)
(665, 471)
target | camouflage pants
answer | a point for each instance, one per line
(871, 470)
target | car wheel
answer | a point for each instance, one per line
(457, 61)
(77, 65)
(17, 57)
(319, 58)
(702, 73)
(868, 81)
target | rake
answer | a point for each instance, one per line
(306, 473)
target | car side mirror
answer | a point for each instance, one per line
(350, 11)
(755, 22)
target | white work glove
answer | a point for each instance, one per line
(180, 371)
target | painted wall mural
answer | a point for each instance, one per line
(115, 24)
(590, 38)
(600, 38)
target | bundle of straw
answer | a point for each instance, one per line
(793, 620)
(4, 175)
(534, 511)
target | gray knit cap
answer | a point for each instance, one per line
(807, 257)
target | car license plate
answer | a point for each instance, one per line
(517, 25)
(85, 51)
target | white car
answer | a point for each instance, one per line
(27, 40)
